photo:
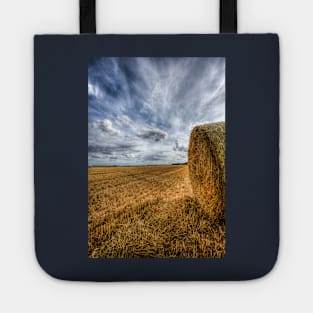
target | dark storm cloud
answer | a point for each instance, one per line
(111, 149)
(141, 110)
(153, 134)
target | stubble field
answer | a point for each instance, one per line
(149, 212)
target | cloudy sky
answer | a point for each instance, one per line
(141, 110)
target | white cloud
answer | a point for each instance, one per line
(179, 147)
(106, 126)
(123, 120)
(93, 90)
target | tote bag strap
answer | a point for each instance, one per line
(228, 16)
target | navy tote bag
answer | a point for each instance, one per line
(157, 156)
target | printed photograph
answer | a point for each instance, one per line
(156, 157)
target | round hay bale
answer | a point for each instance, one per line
(206, 162)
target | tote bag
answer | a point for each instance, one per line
(157, 156)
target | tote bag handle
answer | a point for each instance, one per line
(228, 16)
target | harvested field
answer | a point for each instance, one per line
(149, 212)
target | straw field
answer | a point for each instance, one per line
(149, 212)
